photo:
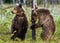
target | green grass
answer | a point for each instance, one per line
(5, 23)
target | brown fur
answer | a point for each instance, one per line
(20, 23)
(45, 20)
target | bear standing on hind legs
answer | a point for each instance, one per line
(45, 20)
(20, 23)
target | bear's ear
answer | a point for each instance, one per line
(20, 5)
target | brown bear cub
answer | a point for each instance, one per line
(45, 20)
(19, 24)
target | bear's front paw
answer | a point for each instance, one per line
(32, 26)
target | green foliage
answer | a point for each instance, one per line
(5, 19)
(5, 22)
(29, 2)
(7, 1)
(39, 2)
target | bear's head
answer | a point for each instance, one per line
(18, 10)
(36, 13)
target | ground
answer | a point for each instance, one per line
(5, 23)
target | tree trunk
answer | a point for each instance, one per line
(34, 3)
(1, 2)
(45, 3)
(19, 1)
(13, 1)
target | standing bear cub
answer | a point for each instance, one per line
(19, 24)
(46, 21)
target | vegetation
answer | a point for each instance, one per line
(8, 1)
(5, 23)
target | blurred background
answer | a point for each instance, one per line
(6, 18)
